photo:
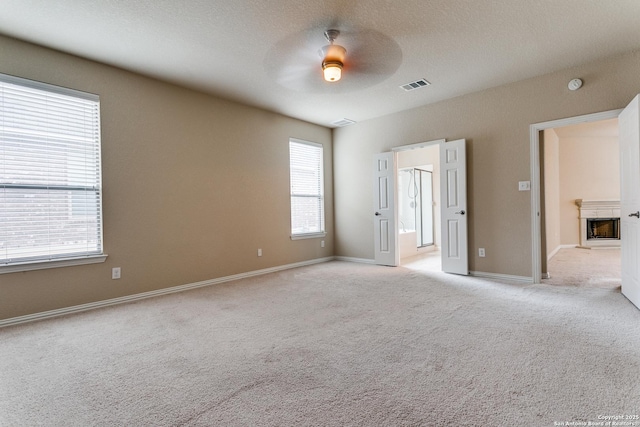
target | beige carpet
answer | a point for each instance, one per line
(333, 344)
(591, 268)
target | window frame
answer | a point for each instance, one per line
(320, 197)
(72, 258)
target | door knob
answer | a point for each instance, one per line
(460, 212)
(636, 214)
(378, 214)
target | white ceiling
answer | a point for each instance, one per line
(247, 50)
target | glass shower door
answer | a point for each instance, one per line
(424, 207)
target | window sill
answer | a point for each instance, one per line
(307, 236)
(55, 263)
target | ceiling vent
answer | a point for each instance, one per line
(415, 85)
(343, 122)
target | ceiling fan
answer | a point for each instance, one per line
(305, 62)
(332, 57)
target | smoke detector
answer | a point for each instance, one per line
(575, 84)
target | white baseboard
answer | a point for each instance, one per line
(351, 259)
(522, 279)
(555, 251)
(136, 297)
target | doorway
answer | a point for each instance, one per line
(453, 230)
(418, 189)
(546, 231)
(580, 178)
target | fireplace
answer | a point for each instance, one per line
(603, 228)
(599, 223)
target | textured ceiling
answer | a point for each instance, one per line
(264, 52)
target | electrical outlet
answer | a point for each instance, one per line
(322, 243)
(115, 273)
(481, 252)
(524, 186)
(259, 252)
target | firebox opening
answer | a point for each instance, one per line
(603, 228)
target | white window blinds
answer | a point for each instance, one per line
(50, 195)
(307, 188)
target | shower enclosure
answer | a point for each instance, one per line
(416, 204)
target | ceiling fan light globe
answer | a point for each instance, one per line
(332, 70)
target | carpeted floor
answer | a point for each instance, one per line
(585, 268)
(332, 344)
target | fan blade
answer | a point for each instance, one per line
(295, 62)
(371, 52)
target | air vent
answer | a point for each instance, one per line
(343, 122)
(415, 85)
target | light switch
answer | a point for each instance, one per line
(524, 186)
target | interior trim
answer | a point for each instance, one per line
(54, 263)
(418, 145)
(497, 276)
(554, 252)
(359, 260)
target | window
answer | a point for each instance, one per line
(307, 189)
(50, 183)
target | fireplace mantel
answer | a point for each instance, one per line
(599, 205)
(595, 209)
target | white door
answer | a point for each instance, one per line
(453, 207)
(384, 181)
(629, 126)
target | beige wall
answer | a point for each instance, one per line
(590, 170)
(193, 186)
(495, 123)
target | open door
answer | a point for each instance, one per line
(384, 207)
(629, 126)
(453, 207)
